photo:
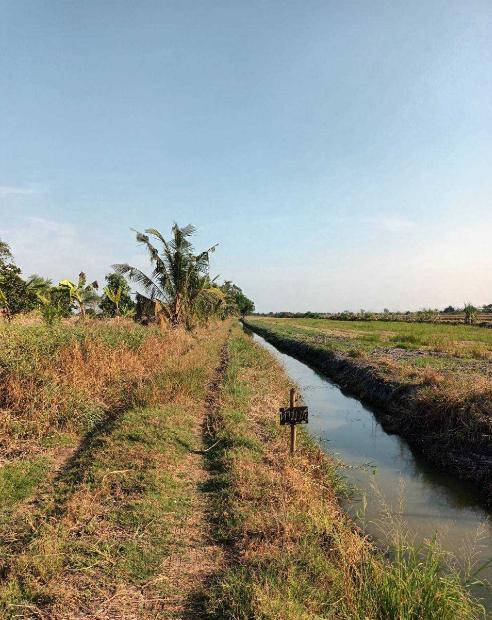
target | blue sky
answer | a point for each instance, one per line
(339, 152)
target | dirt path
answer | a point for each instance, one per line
(196, 557)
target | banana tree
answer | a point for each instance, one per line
(4, 306)
(51, 309)
(115, 297)
(81, 293)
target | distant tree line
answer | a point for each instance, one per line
(468, 314)
(179, 290)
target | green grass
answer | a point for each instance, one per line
(418, 585)
(98, 534)
(453, 340)
(125, 506)
(108, 519)
(18, 480)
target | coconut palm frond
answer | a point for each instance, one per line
(139, 277)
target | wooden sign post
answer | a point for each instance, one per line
(293, 415)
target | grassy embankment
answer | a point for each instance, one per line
(431, 383)
(109, 496)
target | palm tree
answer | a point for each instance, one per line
(38, 284)
(179, 282)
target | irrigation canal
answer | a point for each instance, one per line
(394, 484)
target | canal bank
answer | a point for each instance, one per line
(399, 489)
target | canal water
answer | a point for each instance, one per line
(394, 485)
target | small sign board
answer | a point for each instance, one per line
(293, 415)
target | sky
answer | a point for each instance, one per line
(340, 152)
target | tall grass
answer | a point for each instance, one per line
(417, 584)
(68, 378)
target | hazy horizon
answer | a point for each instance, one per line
(339, 153)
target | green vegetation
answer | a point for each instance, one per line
(180, 287)
(116, 300)
(143, 472)
(236, 300)
(17, 482)
(80, 292)
(18, 295)
(5, 252)
(468, 315)
(124, 477)
(179, 290)
(450, 341)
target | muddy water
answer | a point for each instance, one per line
(394, 484)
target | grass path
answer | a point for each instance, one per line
(197, 556)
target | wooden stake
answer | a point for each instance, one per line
(293, 429)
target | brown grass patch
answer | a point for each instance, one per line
(54, 385)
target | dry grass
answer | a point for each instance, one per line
(113, 523)
(101, 534)
(69, 378)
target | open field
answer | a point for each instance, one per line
(431, 383)
(479, 318)
(144, 475)
(447, 342)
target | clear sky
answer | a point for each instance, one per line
(339, 151)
